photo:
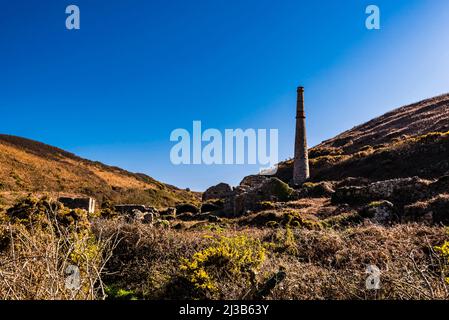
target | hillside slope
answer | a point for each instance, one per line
(409, 141)
(430, 115)
(30, 166)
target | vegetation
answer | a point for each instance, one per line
(44, 247)
(235, 257)
(444, 252)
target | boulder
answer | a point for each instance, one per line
(381, 212)
(220, 191)
(135, 215)
(247, 199)
(274, 189)
(253, 181)
(353, 181)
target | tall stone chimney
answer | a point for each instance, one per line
(301, 162)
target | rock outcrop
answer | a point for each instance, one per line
(245, 198)
(402, 191)
(381, 212)
(220, 191)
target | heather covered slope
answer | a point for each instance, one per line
(430, 115)
(30, 166)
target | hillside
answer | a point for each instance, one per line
(378, 197)
(409, 141)
(31, 166)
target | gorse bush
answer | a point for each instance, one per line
(44, 212)
(114, 293)
(443, 250)
(235, 257)
(50, 252)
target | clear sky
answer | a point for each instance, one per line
(137, 69)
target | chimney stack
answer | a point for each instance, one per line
(301, 161)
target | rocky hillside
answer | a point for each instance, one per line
(30, 166)
(394, 168)
(409, 141)
(378, 197)
(430, 115)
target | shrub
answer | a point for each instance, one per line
(317, 189)
(236, 257)
(343, 220)
(115, 293)
(47, 242)
(46, 212)
(326, 161)
(444, 252)
(278, 189)
(266, 205)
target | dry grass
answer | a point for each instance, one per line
(144, 261)
(42, 257)
(430, 115)
(319, 264)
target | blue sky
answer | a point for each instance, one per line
(136, 70)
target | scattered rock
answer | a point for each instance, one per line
(401, 191)
(128, 209)
(354, 182)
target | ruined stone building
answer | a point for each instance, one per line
(87, 204)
